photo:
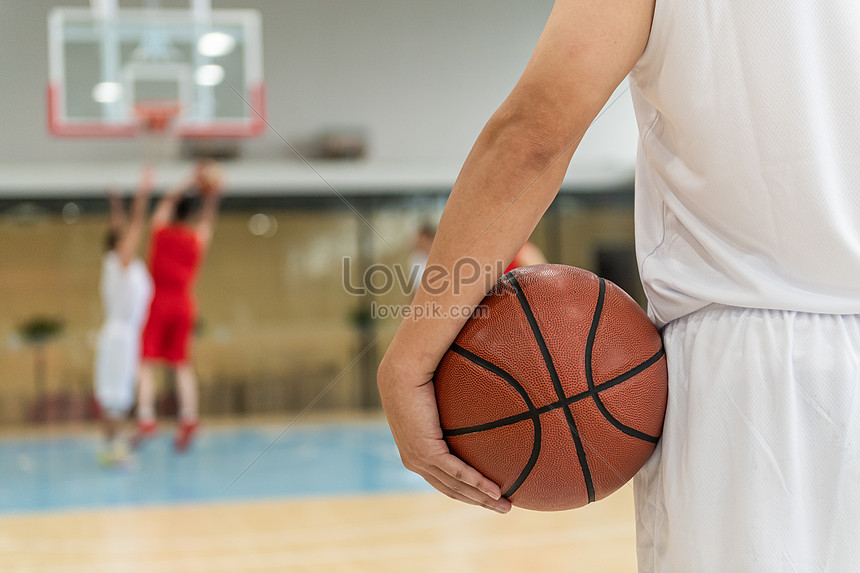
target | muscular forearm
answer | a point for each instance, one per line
(509, 179)
(507, 182)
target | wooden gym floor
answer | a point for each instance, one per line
(355, 510)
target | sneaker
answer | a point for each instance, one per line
(105, 456)
(116, 455)
(145, 430)
(184, 433)
(122, 457)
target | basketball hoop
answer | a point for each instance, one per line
(156, 115)
(156, 127)
(148, 61)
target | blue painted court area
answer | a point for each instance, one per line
(38, 474)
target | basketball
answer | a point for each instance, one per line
(555, 388)
(208, 177)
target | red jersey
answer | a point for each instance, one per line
(174, 258)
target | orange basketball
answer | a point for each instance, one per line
(208, 176)
(555, 389)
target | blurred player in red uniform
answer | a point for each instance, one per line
(177, 247)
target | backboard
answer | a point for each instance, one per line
(106, 62)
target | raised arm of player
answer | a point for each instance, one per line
(509, 179)
(130, 238)
(209, 211)
(167, 204)
(117, 210)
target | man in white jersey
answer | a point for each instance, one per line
(748, 240)
(126, 290)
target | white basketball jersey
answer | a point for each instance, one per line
(748, 172)
(126, 292)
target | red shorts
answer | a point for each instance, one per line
(167, 335)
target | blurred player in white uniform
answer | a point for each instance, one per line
(126, 291)
(748, 240)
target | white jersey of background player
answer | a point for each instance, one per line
(748, 238)
(126, 291)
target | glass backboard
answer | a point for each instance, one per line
(104, 65)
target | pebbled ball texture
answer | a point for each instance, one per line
(557, 390)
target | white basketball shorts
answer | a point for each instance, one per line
(117, 360)
(758, 469)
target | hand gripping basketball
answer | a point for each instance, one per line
(557, 392)
(410, 405)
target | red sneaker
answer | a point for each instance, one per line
(183, 436)
(145, 430)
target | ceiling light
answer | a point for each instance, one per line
(107, 92)
(216, 44)
(209, 75)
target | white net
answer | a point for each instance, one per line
(157, 130)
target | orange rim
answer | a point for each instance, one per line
(156, 116)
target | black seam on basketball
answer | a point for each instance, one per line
(515, 418)
(556, 382)
(589, 374)
(640, 368)
(532, 412)
(592, 333)
(508, 420)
